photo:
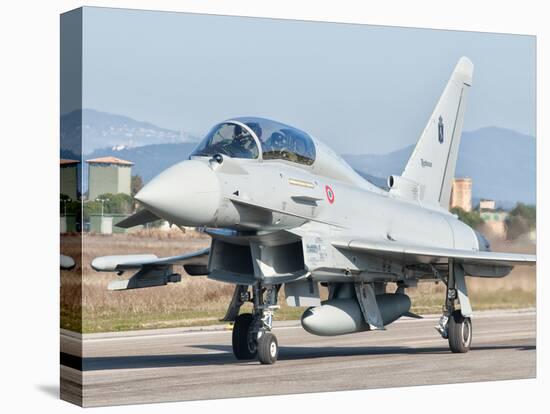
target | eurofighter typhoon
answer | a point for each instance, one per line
(284, 211)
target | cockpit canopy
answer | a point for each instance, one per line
(230, 139)
(247, 137)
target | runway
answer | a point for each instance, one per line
(181, 364)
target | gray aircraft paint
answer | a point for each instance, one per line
(342, 316)
(433, 161)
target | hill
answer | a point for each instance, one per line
(105, 130)
(501, 163)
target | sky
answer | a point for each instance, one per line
(358, 88)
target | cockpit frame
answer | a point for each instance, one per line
(285, 143)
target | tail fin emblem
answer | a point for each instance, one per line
(440, 129)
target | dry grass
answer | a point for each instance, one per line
(87, 305)
(517, 290)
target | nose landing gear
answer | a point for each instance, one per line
(252, 336)
(268, 348)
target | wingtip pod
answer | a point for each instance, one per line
(112, 263)
(66, 262)
(464, 71)
(103, 264)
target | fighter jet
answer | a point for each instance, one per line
(285, 211)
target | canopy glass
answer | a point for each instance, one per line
(236, 138)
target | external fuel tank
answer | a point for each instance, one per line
(340, 316)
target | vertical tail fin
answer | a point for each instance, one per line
(432, 164)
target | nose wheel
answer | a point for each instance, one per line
(252, 337)
(268, 348)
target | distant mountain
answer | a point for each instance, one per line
(501, 163)
(380, 165)
(105, 130)
(377, 181)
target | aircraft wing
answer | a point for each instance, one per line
(431, 254)
(151, 270)
(138, 261)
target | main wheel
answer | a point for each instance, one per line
(268, 348)
(243, 348)
(460, 332)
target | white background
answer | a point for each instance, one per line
(29, 148)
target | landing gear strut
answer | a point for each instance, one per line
(453, 325)
(252, 336)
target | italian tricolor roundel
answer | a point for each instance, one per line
(330, 194)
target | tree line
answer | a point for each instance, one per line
(520, 220)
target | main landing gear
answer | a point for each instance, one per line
(455, 325)
(460, 332)
(252, 336)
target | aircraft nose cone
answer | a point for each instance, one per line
(188, 194)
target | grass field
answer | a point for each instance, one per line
(87, 305)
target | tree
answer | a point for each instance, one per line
(136, 185)
(113, 204)
(528, 212)
(471, 218)
(91, 207)
(68, 206)
(117, 203)
(521, 219)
